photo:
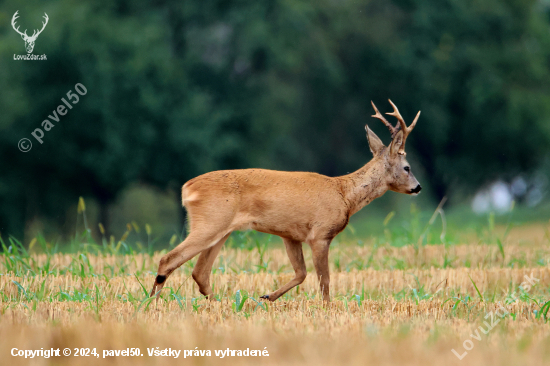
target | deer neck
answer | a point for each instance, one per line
(364, 185)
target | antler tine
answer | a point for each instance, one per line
(13, 20)
(414, 122)
(406, 130)
(393, 130)
(43, 23)
(397, 115)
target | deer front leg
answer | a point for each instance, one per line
(319, 249)
(296, 256)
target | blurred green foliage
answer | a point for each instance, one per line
(180, 88)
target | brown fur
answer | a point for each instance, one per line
(297, 206)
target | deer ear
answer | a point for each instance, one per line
(375, 143)
(396, 143)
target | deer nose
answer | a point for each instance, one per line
(417, 189)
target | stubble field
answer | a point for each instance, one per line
(409, 306)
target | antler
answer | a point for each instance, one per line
(393, 130)
(15, 16)
(401, 125)
(35, 34)
(406, 130)
(43, 26)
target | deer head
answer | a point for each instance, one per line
(398, 171)
(29, 41)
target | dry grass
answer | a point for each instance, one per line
(390, 306)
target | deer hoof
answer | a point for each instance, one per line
(265, 297)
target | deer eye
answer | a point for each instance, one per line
(407, 169)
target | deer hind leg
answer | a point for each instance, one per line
(203, 268)
(319, 249)
(296, 256)
(196, 242)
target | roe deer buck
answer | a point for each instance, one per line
(297, 206)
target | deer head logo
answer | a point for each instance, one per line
(29, 41)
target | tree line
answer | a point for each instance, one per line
(179, 88)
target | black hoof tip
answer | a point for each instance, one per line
(160, 279)
(265, 297)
